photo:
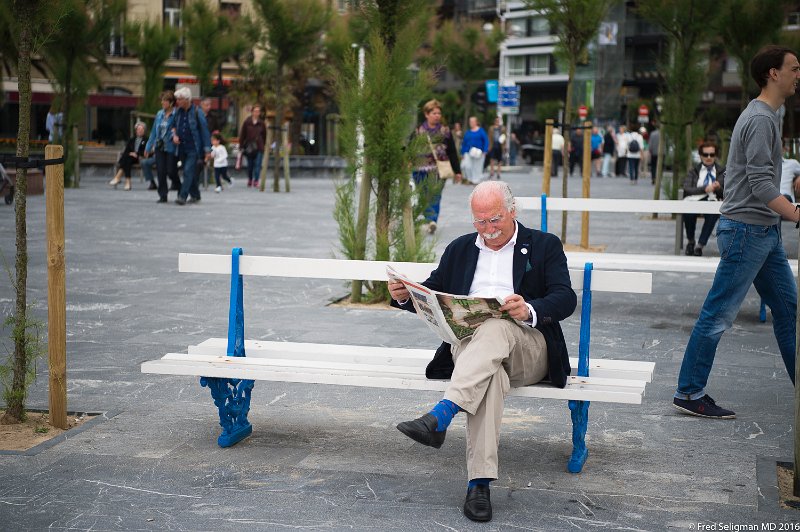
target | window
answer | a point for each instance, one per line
(539, 65)
(172, 17)
(116, 41)
(538, 27)
(793, 20)
(516, 65)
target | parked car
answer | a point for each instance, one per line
(534, 151)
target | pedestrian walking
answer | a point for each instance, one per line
(497, 140)
(220, 156)
(609, 150)
(474, 147)
(652, 147)
(558, 150)
(160, 145)
(635, 146)
(190, 135)
(252, 140)
(749, 233)
(436, 149)
(622, 151)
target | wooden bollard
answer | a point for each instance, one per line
(56, 287)
(587, 173)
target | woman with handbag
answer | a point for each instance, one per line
(438, 163)
(160, 144)
(252, 139)
(473, 150)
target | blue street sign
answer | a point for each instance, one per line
(509, 96)
(491, 90)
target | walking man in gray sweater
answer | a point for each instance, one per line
(748, 235)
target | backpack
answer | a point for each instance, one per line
(633, 146)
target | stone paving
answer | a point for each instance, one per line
(327, 457)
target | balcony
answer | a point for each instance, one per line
(641, 71)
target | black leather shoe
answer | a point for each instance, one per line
(698, 252)
(423, 430)
(690, 248)
(478, 506)
(162, 200)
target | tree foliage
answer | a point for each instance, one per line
(689, 25)
(385, 107)
(575, 24)
(211, 38)
(293, 28)
(152, 42)
(744, 26)
(468, 52)
(73, 55)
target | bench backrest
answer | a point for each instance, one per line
(602, 281)
(618, 205)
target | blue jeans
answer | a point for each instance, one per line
(190, 186)
(749, 254)
(433, 191)
(633, 168)
(147, 168)
(254, 166)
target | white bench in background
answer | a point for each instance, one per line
(223, 367)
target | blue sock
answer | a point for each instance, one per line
(444, 411)
(478, 482)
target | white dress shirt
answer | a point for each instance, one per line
(494, 272)
(701, 180)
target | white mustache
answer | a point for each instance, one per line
(491, 236)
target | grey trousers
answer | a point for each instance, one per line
(500, 354)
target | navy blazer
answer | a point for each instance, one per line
(540, 276)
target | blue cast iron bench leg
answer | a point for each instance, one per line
(232, 396)
(579, 410)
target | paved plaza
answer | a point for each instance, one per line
(330, 458)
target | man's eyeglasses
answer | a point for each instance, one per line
(494, 220)
(709, 154)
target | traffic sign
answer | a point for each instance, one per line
(583, 112)
(508, 96)
(491, 90)
(644, 114)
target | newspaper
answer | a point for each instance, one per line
(453, 318)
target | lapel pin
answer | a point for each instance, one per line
(524, 251)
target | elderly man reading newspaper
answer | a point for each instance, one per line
(527, 270)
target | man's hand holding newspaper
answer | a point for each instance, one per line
(453, 317)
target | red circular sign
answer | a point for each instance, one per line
(643, 110)
(583, 112)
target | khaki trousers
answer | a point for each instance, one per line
(499, 355)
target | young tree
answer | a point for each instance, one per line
(384, 106)
(575, 23)
(152, 42)
(211, 38)
(744, 26)
(467, 51)
(689, 24)
(34, 23)
(73, 55)
(293, 28)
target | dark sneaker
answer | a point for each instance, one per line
(698, 252)
(180, 201)
(193, 200)
(690, 249)
(703, 407)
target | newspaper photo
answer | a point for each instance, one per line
(453, 318)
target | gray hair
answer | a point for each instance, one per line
(183, 93)
(140, 123)
(489, 188)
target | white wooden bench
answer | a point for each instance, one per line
(631, 261)
(679, 207)
(223, 367)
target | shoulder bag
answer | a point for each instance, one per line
(444, 169)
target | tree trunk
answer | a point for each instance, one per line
(15, 409)
(276, 171)
(67, 142)
(568, 144)
(467, 105)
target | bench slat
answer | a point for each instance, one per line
(602, 281)
(620, 205)
(578, 388)
(388, 356)
(652, 263)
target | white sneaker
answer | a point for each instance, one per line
(218, 190)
